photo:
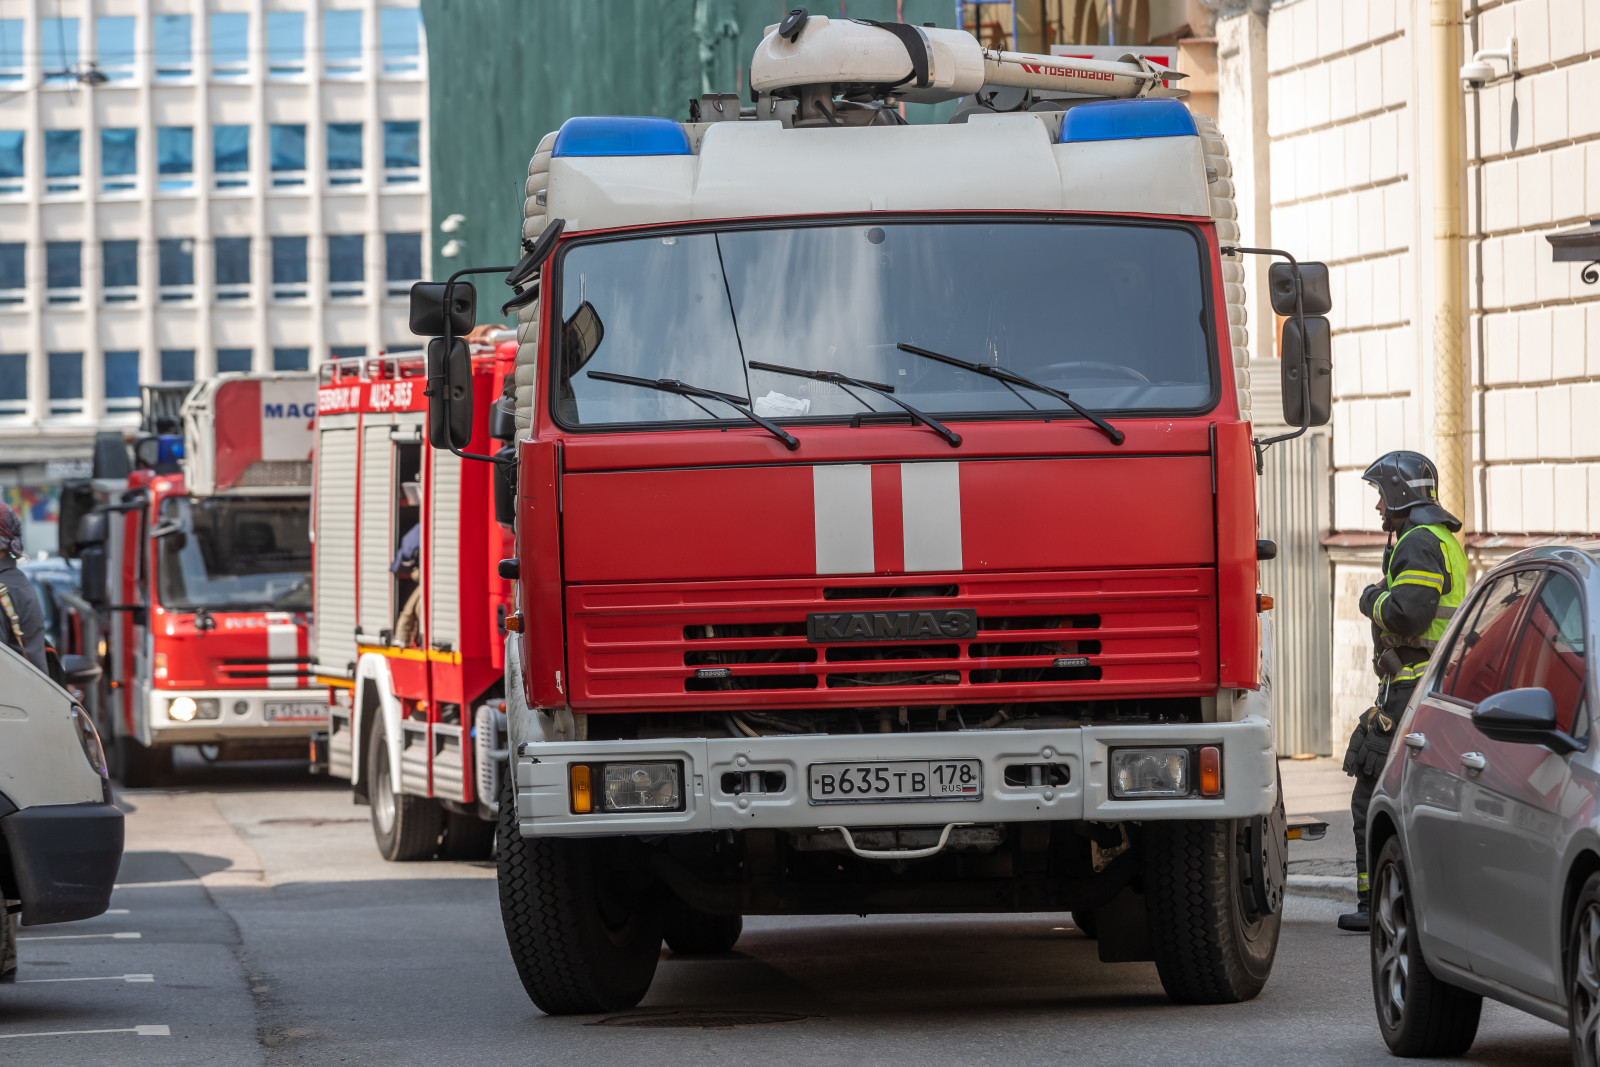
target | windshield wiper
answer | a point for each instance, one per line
(841, 380)
(672, 385)
(1011, 377)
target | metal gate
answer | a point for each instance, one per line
(1293, 503)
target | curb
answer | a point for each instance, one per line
(1325, 886)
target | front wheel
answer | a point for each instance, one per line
(582, 919)
(405, 827)
(1583, 975)
(1419, 1014)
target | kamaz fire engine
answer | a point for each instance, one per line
(198, 561)
(884, 515)
(409, 638)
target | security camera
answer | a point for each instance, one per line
(1478, 70)
(1476, 73)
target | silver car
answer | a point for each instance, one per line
(1483, 834)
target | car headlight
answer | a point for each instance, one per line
(89, 738)
(188, 709)
(625, 787)
(1138, 773)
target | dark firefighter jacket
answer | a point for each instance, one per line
(19, 607)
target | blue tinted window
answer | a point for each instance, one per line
(63, 264)
(175, 149)
(286, 42)
(66, 382)
(233, 260)
(12, 275)
(288, 260)
(13, 380)
(10, 50)
(403, 256)
(230, 42)
(61, 155)
(341, 40)
(233, 359)
(122, 374)
(348, 351)
(119, 263)
(177, 364)
(119, 151)
(402, 145)
(58, 49)
(288, 147)
(399, 30)
(11, 153)
(345, 253)
(230, 146)
(177, 260)
(174, 56)
(113, 40)
(291, 359)
(344, 146)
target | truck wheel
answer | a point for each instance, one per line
(405, 827)
(8, 944)
(1085, 921)
(691, 932)
(1211, 943)
(466, 837)
(583, 927)
(139, 766)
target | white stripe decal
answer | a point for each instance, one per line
(930, 505)
(283, 642)
(842, 497)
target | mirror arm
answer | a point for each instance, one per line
(1260, 444)
(449, 336)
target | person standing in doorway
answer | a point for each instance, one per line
(1424, 580)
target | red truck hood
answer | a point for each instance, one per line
(242, 650)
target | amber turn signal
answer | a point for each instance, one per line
(1210, 771)
(514, 622)
(582, 793)
(1263, 602)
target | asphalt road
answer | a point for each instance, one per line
(253, 923)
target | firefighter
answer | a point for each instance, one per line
(21, 619)
(405, 566)
(1424, 580)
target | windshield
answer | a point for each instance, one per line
(1113, 313)
(228, 554)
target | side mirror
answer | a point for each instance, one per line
(110, 456)
(77, 500)
(503, 419)
(80, 670)
(1522, 716)
(428, 310)
(1315, 295)
(1311, 355)
(449, 390)
(581, 336)
(92, 573)
(91, 529)
(505, 486)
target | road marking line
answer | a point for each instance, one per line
(157, 885)
(96, 978)
(115, 911)
(156, 1030)
(123, 936)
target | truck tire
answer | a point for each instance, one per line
(1085, 921)
(466, 837)
(583, 940)
(139, 766)
(1210, 946)
(8, 944)
(1418, 1014)
(405, 827)
(691, 932)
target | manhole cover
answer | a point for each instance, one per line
(702, 1020)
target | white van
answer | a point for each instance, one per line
(60, 834)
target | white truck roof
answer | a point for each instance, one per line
(250, 434)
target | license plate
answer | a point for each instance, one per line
(892, 780)
(295, 709)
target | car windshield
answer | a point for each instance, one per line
(1113, 313)
(227, 554)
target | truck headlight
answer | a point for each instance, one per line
(1138, 773)
(641, 786)
(188, 709)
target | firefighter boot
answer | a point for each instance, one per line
(1360, 920)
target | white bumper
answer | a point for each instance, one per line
(1249, 779)
(249, 722)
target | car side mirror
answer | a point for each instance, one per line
(1309, 355)
(1315, 296)
(449, 394)
(80, 670)
(1522, 716)
(427, 315)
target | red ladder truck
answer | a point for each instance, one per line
(885, 517)
(413, 704)
(198, 564)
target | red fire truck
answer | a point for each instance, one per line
(199, 563)
(884, 514)
(409, 636)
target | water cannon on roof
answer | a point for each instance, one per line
(844, 71)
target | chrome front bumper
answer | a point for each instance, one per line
(1249, 779)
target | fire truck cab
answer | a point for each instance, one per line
(198, 563)
(409, 634)
(885, 525)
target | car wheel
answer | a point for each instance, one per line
(1419, 1014)
(1583, 975)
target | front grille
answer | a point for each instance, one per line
(1039, 637)
(260, 671)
